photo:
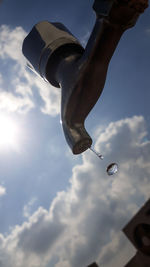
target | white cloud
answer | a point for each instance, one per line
(11, 103)
(28, 207)
(84, 223)
(2, 190)
(21, 83)
(50, 96)
(11, 43)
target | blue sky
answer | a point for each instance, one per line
(58, 209)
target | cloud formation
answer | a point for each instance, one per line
(28, 207)
(22, 84)
(83, 224)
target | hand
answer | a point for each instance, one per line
(124, 13)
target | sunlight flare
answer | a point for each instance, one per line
(8, 132)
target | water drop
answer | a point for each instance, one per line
(96, 153)
(112, 169)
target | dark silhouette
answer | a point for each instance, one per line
(138, 232)
(93, 265)
(58, 57)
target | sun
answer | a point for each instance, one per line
(8, 131)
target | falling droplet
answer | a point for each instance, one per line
(101, 156)
(112, 169)
(97, 153)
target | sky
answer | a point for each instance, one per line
(58, 209)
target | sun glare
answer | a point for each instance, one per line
(8, 132)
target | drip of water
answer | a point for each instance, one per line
(96, 153)
(112, 169)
